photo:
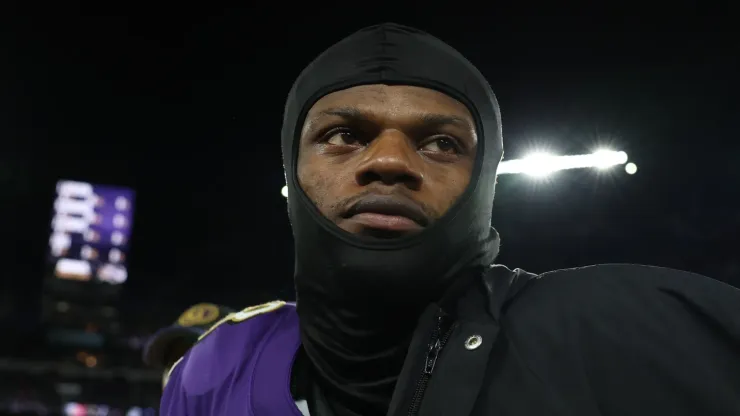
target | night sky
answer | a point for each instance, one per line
(185, 106)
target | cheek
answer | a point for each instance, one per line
(446, 186)
(317, 184)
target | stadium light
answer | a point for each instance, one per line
(543, 164)
(630, 168)
(539, 165)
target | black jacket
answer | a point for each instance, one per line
(599, 340)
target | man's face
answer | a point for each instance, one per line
(386, 161)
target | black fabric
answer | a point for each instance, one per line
(359, 298)
(606, 340)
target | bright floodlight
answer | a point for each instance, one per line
(543, 164)
(604, 159)
(540, 164)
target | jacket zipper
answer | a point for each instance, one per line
(439, 338)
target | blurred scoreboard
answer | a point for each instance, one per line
(90, 232)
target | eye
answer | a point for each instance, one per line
(341, 137)
(441, 145)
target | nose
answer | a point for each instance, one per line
(391, 159)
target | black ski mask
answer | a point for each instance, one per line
(359, 297)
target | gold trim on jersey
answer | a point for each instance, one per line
(236, 317)
(167, 373)
(245, 314)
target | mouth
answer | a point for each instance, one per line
(387, 215)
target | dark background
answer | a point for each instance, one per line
(184, 104)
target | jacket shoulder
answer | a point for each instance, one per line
(221, 351)
(631, 279)
(633, 325)
(503, 285)
(616, 304)
(622, 286)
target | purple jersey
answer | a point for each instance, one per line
(242, 366)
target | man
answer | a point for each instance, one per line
(169, 344)
(391, 140)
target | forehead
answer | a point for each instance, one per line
(391, 101)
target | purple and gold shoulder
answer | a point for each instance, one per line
(227, 345)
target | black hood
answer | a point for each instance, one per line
(359, 298)
(328, 258)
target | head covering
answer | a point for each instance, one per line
(193, 323)
(359, 297)
(393, 54)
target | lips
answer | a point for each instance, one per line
(395, 213)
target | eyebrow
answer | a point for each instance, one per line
(429, 119)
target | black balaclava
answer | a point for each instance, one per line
(358, 297)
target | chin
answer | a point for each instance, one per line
(385, 234)
(382, 233)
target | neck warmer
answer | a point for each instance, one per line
(359, 298)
